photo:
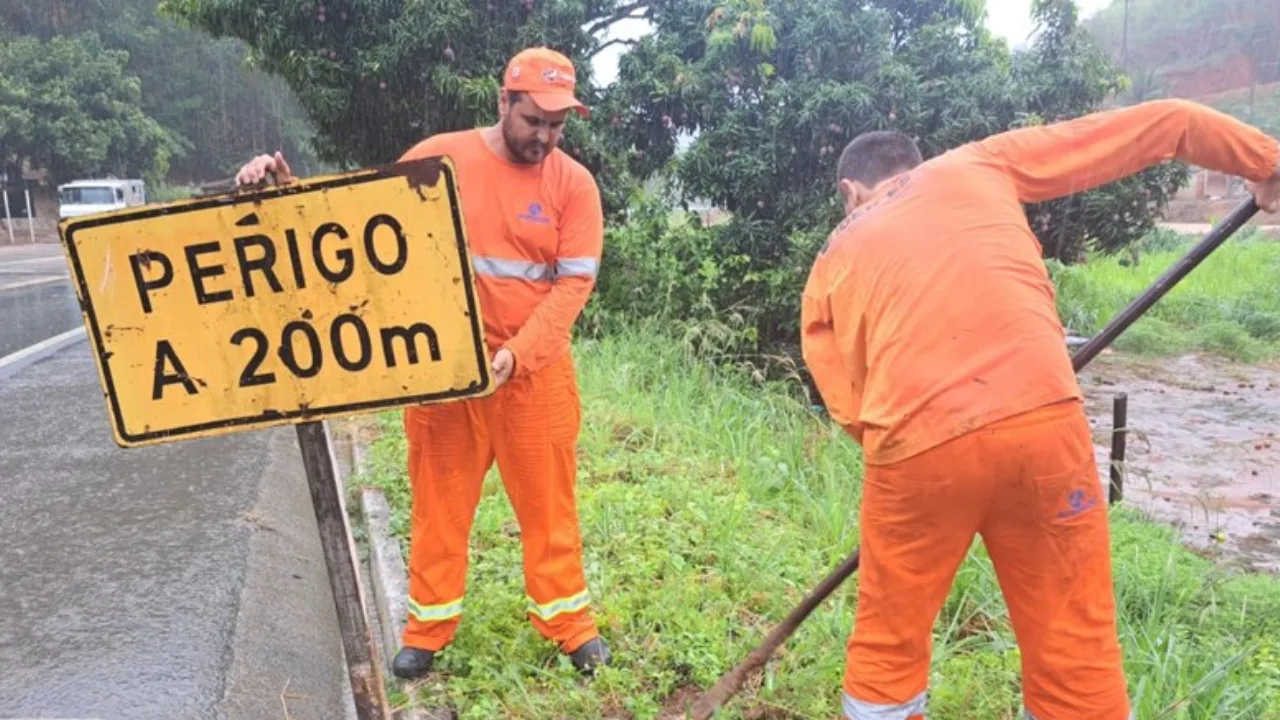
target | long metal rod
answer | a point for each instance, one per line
(1121, 322)
(729, 683)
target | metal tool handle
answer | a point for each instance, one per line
(1121, 322)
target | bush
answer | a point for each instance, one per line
(717, 284)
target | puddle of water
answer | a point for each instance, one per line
(1203, 451)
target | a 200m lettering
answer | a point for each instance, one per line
(302, 354)
(302, 351)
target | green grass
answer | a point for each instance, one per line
(710, 505)
(1229, 305)
(168, 193)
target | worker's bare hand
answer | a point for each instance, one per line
(255, 171)
(503, 363)
(1267, 194)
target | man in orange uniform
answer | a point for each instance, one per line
(930, 327)
(535, 226)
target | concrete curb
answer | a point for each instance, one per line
(390, 578)
(12, 363)
(389, 586)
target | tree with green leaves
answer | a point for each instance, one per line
(1063, 76)
(215, 108)
(772, 90)
(68, 106)
(377, 77)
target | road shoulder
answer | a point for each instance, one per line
(274, 669)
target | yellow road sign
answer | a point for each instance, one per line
(332, 296)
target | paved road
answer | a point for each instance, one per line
(31, 314)
(179, 581)
(31, 265)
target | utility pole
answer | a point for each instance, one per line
(1124, 39)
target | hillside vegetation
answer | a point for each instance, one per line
(1265, 105)
(1191, 48)
(210, 108)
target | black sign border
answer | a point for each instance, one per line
(268, 418)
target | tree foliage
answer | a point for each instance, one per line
(67, 105)
(766, 93)
(1063, 76)
(772, 90)
(217, 110)
(377, 77)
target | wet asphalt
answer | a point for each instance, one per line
(32, 313)
(178, 581)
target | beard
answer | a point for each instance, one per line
(529, 152)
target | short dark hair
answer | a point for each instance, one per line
(873, 157)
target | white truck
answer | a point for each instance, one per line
(85, 197)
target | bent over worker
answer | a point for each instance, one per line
(930, 327)
(535, 226)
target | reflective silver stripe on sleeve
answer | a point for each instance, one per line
(515, 269)
(579, 267)
(859, 710)
(532, 271)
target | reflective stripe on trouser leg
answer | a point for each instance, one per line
(449, 453)
(549, 611)
(859, 710)
(535, 427)
(430, 613)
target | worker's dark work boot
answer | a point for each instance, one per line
(593, 654)
(412, 663)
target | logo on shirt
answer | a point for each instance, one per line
(534, 214)
(1077, 503)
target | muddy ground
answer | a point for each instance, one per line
(1204, 449)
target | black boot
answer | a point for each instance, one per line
(412, 663)
(593, 654)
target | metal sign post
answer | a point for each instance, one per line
(31, 218)
(8, 219)
(286, 305)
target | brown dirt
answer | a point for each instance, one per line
(1203, 451)
(679, 703)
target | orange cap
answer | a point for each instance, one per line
(547, 76)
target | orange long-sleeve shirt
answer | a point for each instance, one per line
(930, 313)
(536, 235)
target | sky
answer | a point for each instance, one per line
(1010, 19)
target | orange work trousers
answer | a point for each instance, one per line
(1030, 487)
(530, 427)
